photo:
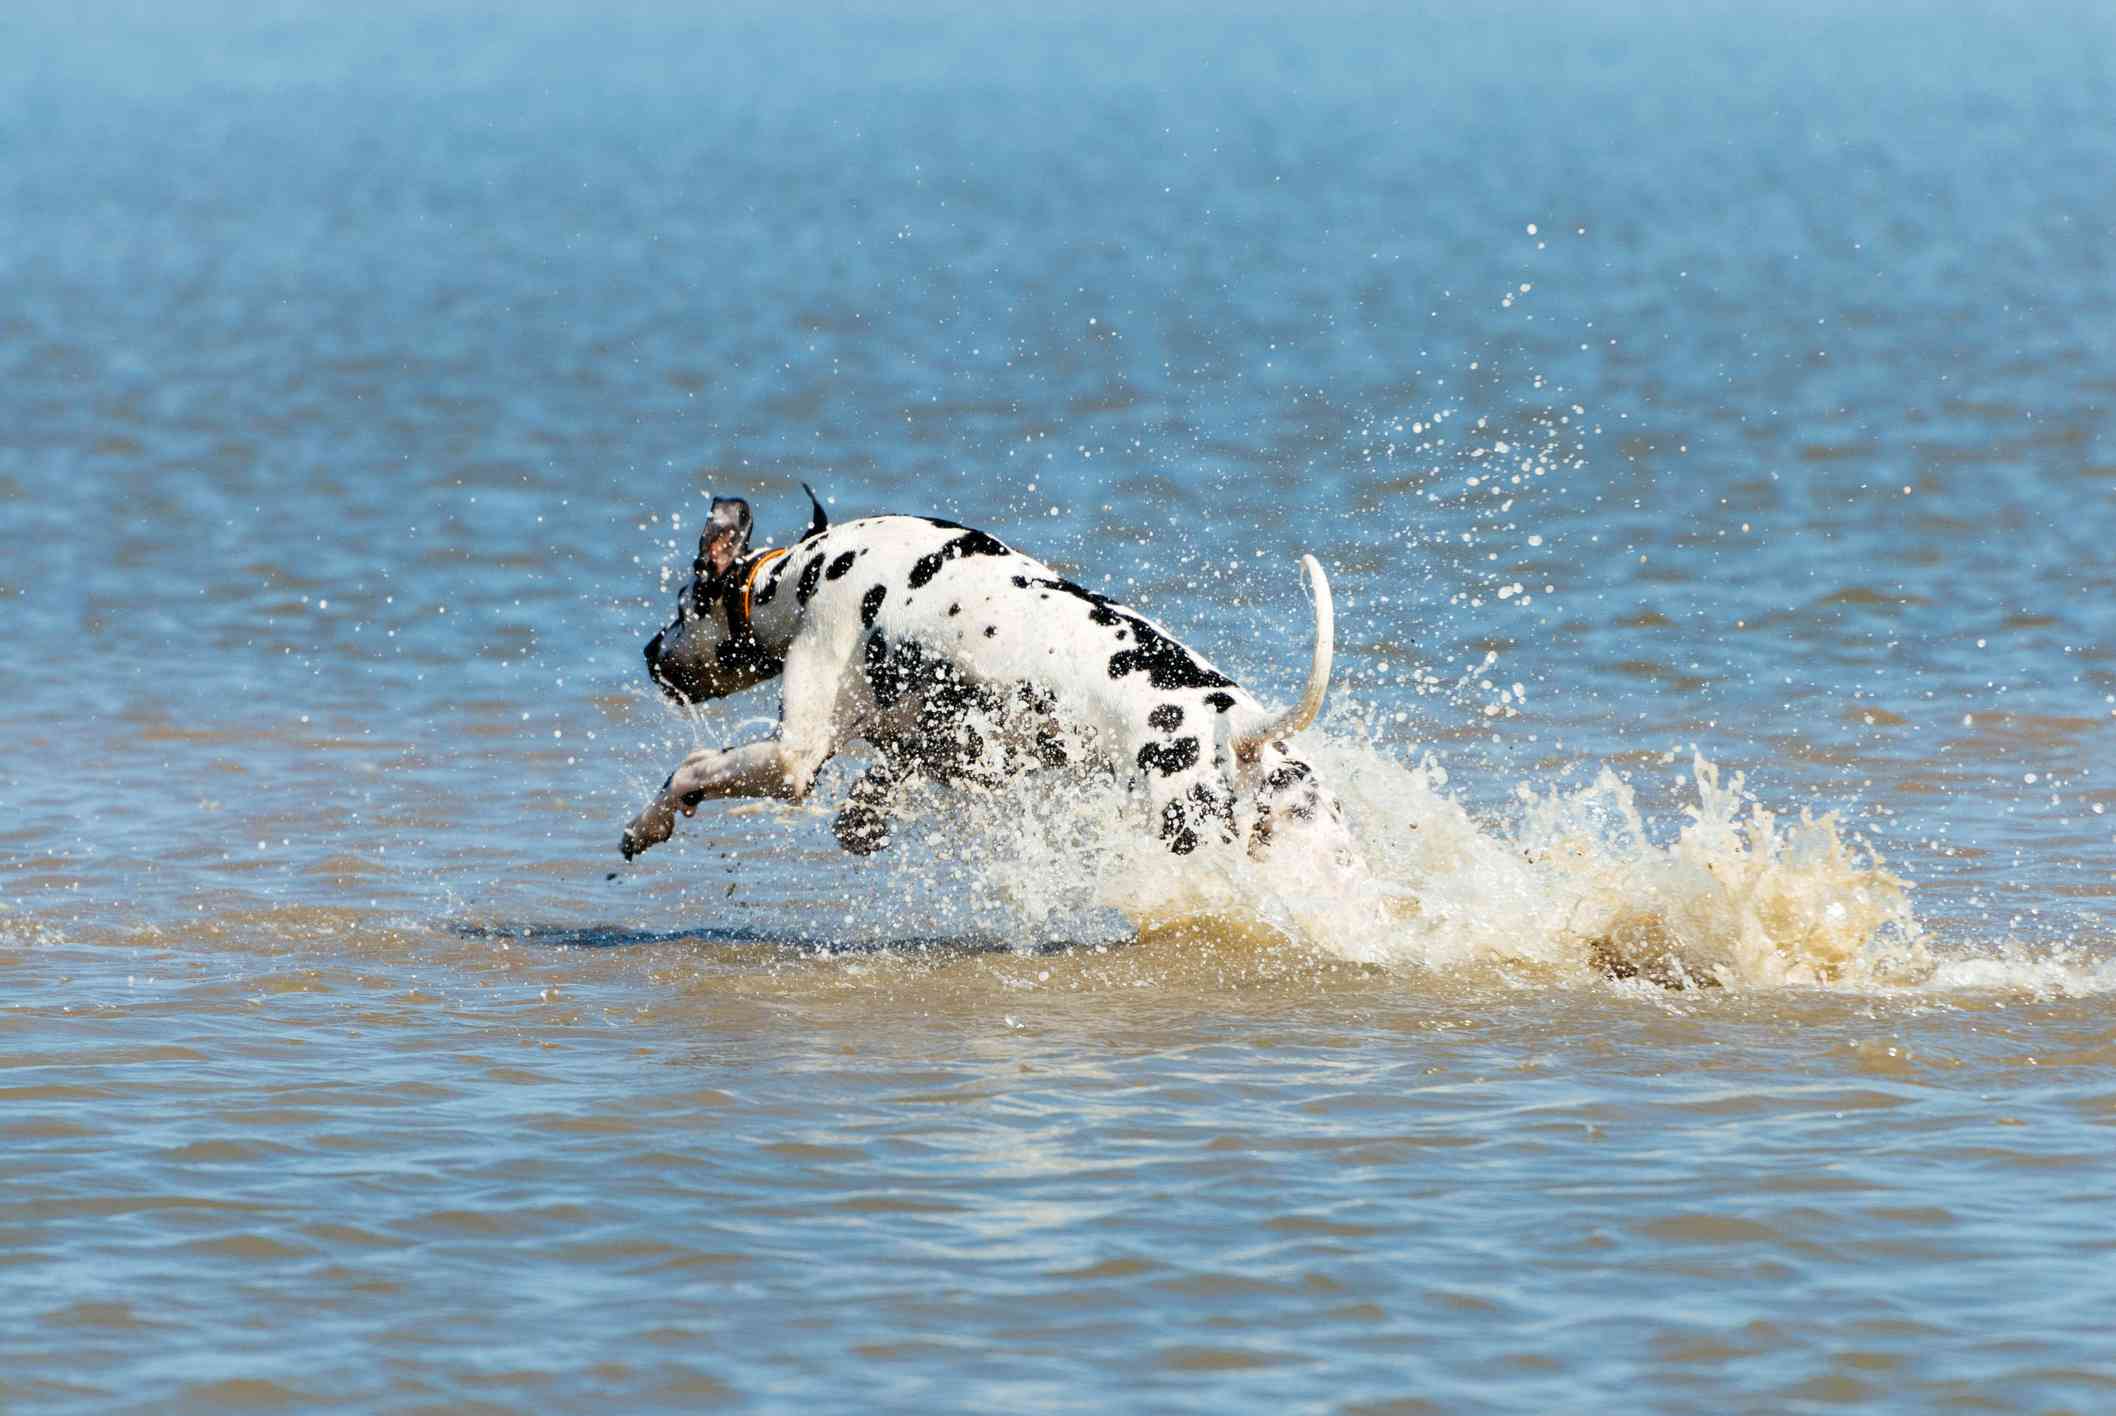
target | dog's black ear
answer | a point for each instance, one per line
(726, 536)
(818, 519)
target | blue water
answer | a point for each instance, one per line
(1738, 384)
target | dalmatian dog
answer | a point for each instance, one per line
(962, 661)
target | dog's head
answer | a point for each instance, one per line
(708, 651)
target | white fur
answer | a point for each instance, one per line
(1053, 654)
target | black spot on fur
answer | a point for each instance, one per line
(1221, 701)
(770, 587)
(1050, 748)
(945, 744)
(871, 605)
(839, 566)
(991, 631)
(884, 678)
(904, 669)
(1100, 608)
(1285, 775)
(1021, 582)
(1169, 666)
(1175, 829)
(1209, 803)
(1289, 790)
(1170, 758)
(1166, 718)
(811, 575)
(955, 609)
(970, 543)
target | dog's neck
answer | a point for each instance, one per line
(758, 625)
(742, 601)
(744, 650)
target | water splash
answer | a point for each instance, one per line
(1578, 886)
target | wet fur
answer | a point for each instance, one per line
(963, 662)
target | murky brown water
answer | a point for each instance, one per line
(359, 383)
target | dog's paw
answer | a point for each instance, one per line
(861, 829)
(649, 828)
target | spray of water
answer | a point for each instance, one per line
(1577, 884)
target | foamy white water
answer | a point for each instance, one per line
(1576, 884)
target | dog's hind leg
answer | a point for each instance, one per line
(865, 823)
(782, 766)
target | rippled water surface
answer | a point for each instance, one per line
(1706, 421)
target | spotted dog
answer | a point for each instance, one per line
(963, 661)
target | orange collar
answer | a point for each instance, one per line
(749, 581)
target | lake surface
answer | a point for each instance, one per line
(1708, 421)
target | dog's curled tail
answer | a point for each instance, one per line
(1302, 713)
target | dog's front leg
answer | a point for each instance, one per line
(755, 769)
(784, 766)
